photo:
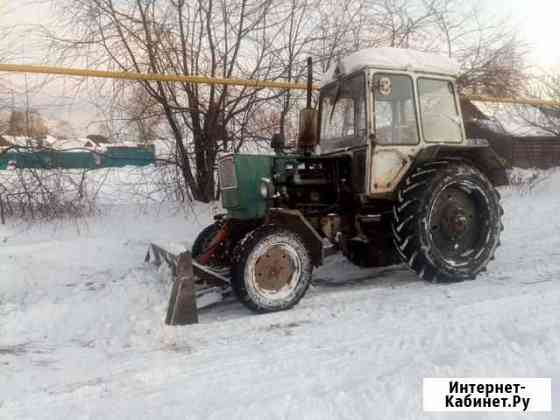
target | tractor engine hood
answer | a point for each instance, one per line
(241, 176)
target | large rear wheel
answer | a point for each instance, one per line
(447, 221)
(271, 270)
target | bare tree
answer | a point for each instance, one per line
(187, 38)
(144, 117)
(262, 39)
(543, 119)
(6, 32)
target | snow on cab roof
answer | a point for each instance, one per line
(394, 59)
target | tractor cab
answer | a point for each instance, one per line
(382, 106)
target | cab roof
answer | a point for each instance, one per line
(393, 59)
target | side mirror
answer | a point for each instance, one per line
(278, 143)
(308, 137)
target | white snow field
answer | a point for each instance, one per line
(82, 333)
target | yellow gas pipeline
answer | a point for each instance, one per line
(125, 75)
(518, 101)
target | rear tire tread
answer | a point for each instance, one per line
(411, 206)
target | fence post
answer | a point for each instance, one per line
(2, 220)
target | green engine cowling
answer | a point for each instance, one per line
(241, 177)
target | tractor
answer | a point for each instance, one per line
(382, 172)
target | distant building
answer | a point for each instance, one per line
(97, 140)
(525, 136)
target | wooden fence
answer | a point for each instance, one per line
(83, 159)
(536, 152)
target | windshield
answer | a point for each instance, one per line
(343, 114)
(395, 112)
(441, 121)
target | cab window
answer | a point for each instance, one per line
(395, 110)
(441, 121)
(343, 115)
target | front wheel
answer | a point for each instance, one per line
(447, 221)
(272, 269)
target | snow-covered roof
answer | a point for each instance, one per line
(20, 141)
(76, 144)
(394, 59)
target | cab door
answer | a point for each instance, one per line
(395, 131)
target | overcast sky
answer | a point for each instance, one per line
(538, 22)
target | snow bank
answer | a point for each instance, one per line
(106, 188)
(396, 59)
(541, 184)
(82, 333)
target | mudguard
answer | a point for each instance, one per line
(295, 221)
(476, 151)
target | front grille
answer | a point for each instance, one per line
(228, 178)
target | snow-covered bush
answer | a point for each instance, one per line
(35, 194)
(32, 194)
(525, 180)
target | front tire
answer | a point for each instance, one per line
(271, 270)
(447, 221)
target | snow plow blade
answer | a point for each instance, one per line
(194, 286)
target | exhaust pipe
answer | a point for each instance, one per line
(308, 136)
(309, 81)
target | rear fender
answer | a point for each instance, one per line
(477, 152)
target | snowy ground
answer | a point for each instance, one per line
(82, 333)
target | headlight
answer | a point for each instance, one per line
(266, 188)
(228, 176)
